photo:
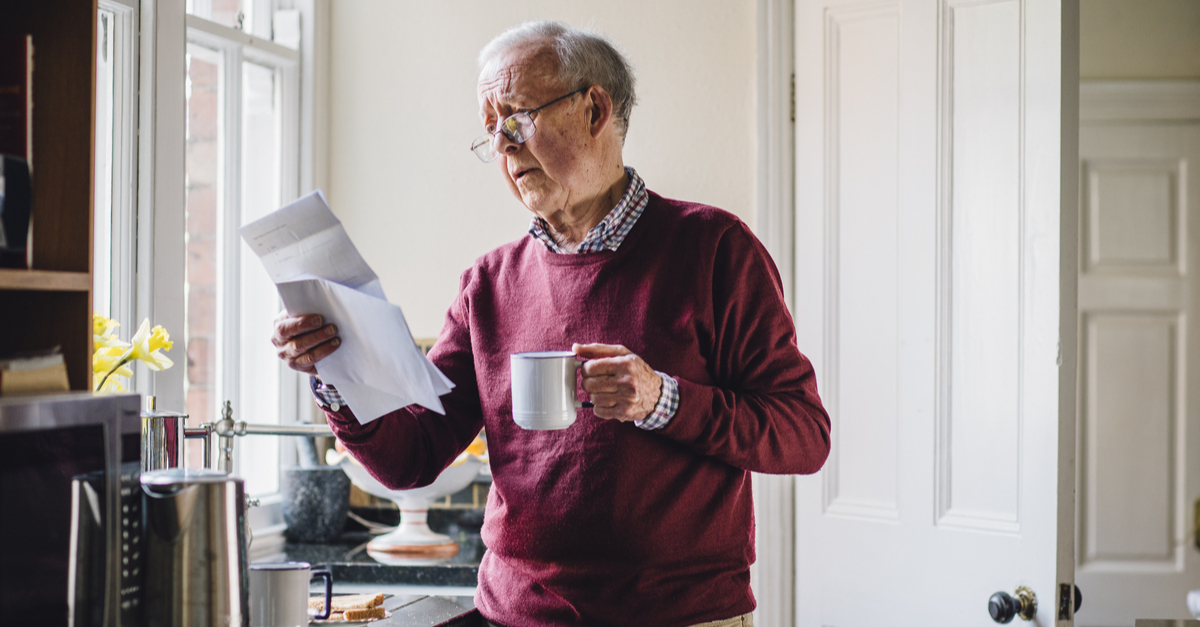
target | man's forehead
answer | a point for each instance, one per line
(517, 74)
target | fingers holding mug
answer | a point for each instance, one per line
(622, 385)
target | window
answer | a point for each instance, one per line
(241, 163)
(116, 162)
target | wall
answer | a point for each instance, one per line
(1139, 39)
(403, 112)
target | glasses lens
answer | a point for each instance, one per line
(482, 147)
(518, 127)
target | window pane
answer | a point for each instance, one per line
(260, 366)
(102, 249)
(204, 185)
(223, 12)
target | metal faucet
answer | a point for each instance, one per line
(226, 429)
(164, 433)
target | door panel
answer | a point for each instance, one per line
(979, 399)
(1127, 512)
(1139, 431)
(862, 384)
(930, 248)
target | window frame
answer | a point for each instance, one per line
(236, 47)
(122, 227)
(158, 254)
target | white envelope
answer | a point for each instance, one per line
(378, 368)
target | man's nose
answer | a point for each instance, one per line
(503, 144)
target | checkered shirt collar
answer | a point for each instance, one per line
(611, 232)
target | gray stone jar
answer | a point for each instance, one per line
(315, 503)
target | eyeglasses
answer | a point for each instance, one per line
(518, 128)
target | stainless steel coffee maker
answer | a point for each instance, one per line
(195, 549)
(195, 534)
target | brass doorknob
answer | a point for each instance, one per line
(1004, 607)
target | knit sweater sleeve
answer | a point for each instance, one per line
(761, 411)
(410, 447)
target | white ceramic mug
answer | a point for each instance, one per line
(543, 389)
(279, 594)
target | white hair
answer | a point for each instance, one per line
(584, 59)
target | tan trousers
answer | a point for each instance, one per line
(745, 620)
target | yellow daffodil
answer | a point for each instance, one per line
(102, 325)
(111, 385)
(147, 346)
(112, 360)
(160, 339)
(110, 355)
(102, 332)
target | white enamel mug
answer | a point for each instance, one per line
(543, 389)
(279, 594)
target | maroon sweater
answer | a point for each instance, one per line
(604, 523)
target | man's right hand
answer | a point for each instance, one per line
(302, 341)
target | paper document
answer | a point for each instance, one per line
(317, 270)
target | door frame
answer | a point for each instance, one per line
(774, 574)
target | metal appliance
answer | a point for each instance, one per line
(68, 474)
(196, 548)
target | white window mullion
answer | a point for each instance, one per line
(228, 220)
(102, 208)
(293, 388)
(123, 224)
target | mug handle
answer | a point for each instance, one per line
(582, 404)
(328, 577)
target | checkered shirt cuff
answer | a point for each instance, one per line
(327, 396)
(668, 404)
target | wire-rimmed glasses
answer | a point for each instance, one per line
(518, 128)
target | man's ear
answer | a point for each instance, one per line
(601, 109)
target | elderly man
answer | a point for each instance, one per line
(640, 513)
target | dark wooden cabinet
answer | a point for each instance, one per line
(51, 304)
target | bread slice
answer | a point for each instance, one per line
(346, 602)
(356, 602)
(364, 614)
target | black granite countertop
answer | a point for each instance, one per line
(350, 561)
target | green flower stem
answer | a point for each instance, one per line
(100, 386)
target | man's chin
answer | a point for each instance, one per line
(537, 202)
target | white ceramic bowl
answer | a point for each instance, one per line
(450, 481)
(413, 535)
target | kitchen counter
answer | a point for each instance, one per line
(350, 561)
(425, 592)
(407, 610)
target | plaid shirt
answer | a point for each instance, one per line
(608, 235)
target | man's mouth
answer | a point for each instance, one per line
(519, 174)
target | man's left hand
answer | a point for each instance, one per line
(622, 385)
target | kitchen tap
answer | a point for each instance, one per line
(226, 429)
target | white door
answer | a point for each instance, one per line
(936, 268)
(1139, 360)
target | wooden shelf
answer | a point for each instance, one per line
(46, 280)
(52, 306)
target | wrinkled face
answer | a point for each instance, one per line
(551, 171)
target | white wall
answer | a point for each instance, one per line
(403, 112)
(1139, 39)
